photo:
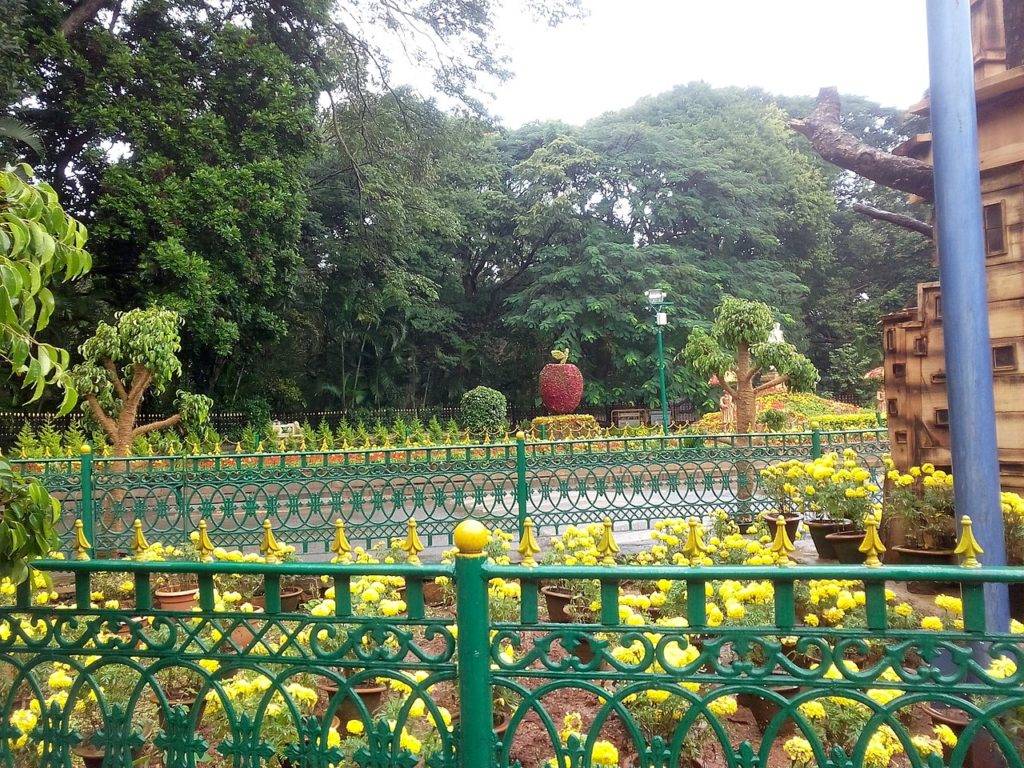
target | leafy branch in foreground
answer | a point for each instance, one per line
(39, 244)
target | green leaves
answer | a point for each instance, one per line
(28, 519)
(39, 244)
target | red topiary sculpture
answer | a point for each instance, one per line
(561, 384)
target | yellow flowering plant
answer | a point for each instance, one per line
(1013, 519)
(922, 499)
(833, 487)
(250, 693)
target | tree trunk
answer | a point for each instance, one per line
(746, 404)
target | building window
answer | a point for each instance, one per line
(995, 231)
(901, 438)
(942, 417)
(920, 345)
(1004, 357)
(892, 407)
(899, 370)
(890, 340)
(938, 307)
(939, 377)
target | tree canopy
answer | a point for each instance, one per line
(331, 239)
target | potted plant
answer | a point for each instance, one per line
(921, 500)
(247, 693)
(102, 742)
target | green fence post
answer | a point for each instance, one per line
(476, 747)
(86, 508)
(522, 489)
(815, 441)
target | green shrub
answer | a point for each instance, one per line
(484, 411)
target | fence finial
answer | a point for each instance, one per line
(82, 545)
(85, 448)
(528, 544)
(203, 544)
(872, 545)
(694, 548)
(607, 547)
(471, 536)
(139, 543)
(968, 547)
(782, 546)
(340, 546)
(411, 545)
(269, 547)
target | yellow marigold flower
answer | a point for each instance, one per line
(657, 696)
(811, 620)
(723, 707)
(933, 623)
(798, 749)
(813, 710)
(355, 727)
(945, 735)
(604, 755)
(904, 609)
(1002, 668)
(926, 746)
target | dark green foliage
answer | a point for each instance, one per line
(373, 250)
(484, 411)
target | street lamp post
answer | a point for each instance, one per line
(656, 298)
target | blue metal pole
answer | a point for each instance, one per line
(958, 216)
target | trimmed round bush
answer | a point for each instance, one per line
(484, 411)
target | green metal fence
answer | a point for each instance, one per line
(456, 685)
(634, 481)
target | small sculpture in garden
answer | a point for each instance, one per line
(728, 410)
(561, 384)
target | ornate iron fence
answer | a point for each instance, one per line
(633, 480)
(360, 681)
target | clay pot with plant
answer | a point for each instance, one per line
(921, 502)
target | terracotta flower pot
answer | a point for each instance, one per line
(764, 710)
(819, 530)
(291, 598)
(912, 556)
(792, 522)
(186, 699)
(369, 692)
(93, 757)
(176, 599)
(957, 721)
(558, 601)
(244, 634)
(847, 546)
(433, 593)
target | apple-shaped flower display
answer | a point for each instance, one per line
(561, 384)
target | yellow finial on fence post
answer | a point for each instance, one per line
(872, 545)
(139, 543)
(203, 544)
(528, 544)
(782, 546)
(411, 545)
(695, 548)
(340, 547)
(607, 547)
(82, 545)
(269, 547)
(968, 547)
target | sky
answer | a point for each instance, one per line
(626, 49)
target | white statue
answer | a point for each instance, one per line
(728, 410)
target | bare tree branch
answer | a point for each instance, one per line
(899, 219)
(840, 147)
(170, 421)
(82, 13)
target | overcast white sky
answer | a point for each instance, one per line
(626, 49)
